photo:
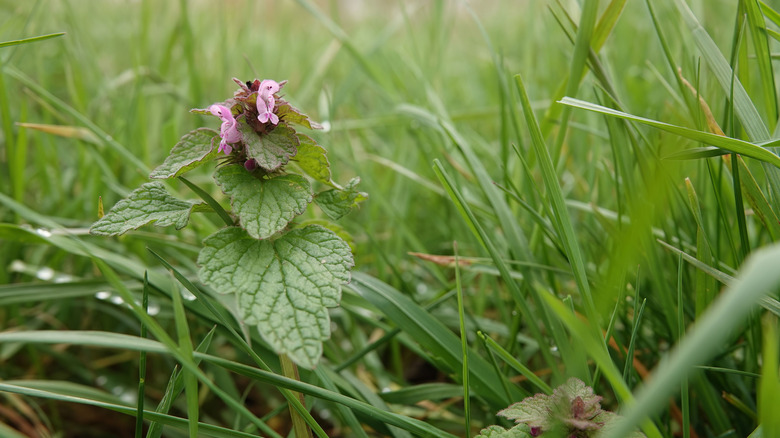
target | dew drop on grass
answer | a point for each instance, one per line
(153, 309)
(187, 295)
(45, 273)
(42, 232)
(127, 397)
(62, 278)
(102, 295)
(116, 299)
(17, 266)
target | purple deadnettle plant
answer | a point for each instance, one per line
(282, 272)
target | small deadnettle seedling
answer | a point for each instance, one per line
(573, 410)
(284, 275)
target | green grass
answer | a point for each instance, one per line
(588, 188)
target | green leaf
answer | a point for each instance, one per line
(148, 203)
(194, 149)
(289, 114)
(270, 150)
(312, 159)
(727, 143)
(337, 203)
(263, 206)
(534, 411)
(31, 39)
(499, 432)
(283, 286)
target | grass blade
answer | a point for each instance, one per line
(431, 334)
(727, 143)
(757, 278)
(561, 218)
(31, 39)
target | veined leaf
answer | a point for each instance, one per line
(263, 206)
(337, 203)
(194, 149)
(499, 432)
(291, 114)
(283, 286)
(146, 204)
(271, 150)
(312, 158)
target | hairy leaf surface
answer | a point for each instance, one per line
(338, 202)
(271, 150)
(263, 206)
(194, 149)
(314, 161)
(284, 286)
(146, 204)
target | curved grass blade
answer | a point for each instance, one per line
(727, 143)
(42, 389)
(210, 201)
(431, 334)
(31, 39)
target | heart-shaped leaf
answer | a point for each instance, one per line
(284, 286)
(148, 203)
(338, 202)
(270, 150)
(194, 149)
(264, 206)
(313, 160)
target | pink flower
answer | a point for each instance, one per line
(266, 101)
(228, 131)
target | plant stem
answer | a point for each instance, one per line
(289, 369)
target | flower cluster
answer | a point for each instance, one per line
(255, 104)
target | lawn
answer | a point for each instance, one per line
(570, 204)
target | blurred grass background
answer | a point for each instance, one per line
(397, 85)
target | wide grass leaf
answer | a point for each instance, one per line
(146, 204)
(283, 286)
(194, 149)
(264, 206)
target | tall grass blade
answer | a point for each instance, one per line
(431, 334)
(185, 345)
(561, 218)
(498, 260)
(769, 386)
(763, 55)
(757, 278)
(139, 417)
